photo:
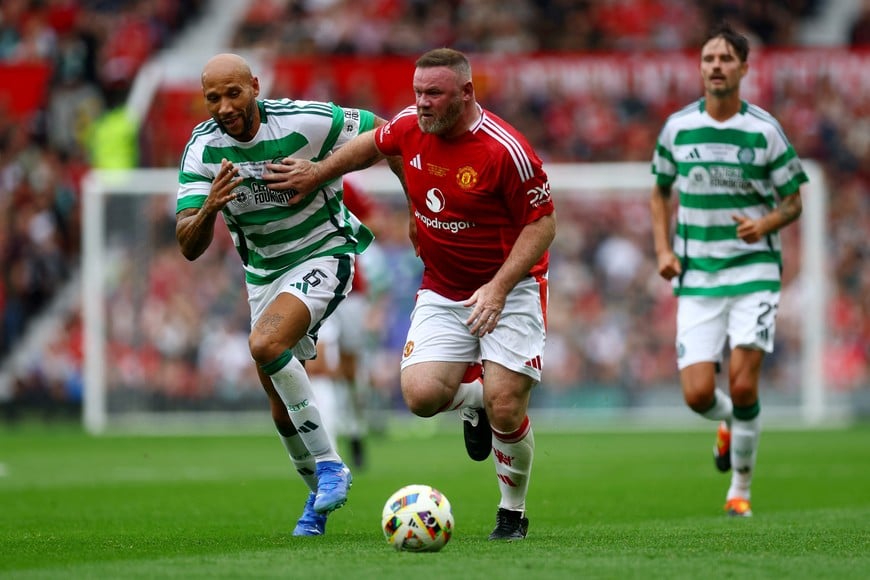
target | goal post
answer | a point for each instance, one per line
(570, 183)
(96, 186)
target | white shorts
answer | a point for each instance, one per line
(704, 322)
(438, 331)
(321, 284)
(351, 319)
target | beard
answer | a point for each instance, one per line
(247, 118)
(443, 124)
(722, 89)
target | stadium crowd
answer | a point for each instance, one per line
(613, 338)
(92, 50)
(410, 27)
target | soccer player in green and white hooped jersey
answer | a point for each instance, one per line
(738, 180)
(298, 260)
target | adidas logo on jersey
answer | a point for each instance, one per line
(415, 162)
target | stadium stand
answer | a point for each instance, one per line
(80, 58)
(62, 66)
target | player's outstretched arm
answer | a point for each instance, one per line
(303, 176)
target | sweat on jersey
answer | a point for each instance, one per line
(270, 235)
(471, 195)
(740, 166)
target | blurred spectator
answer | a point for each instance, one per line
(87, 46)
(859, 31)
(383, 27)
(113, 139)
(609, 300)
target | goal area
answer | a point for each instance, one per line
(166, 339)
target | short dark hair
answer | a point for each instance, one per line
(738, 42)
(448, 57)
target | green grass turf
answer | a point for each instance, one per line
(601, 505)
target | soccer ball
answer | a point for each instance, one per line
(417, 518)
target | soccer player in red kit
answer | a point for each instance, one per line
(482, 221)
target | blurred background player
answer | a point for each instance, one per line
(343, 372)
(738, 180)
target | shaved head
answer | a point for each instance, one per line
(230, 91)
(226, 65)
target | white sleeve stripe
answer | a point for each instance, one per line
(522, 159)
(407, 112)
(517, 153)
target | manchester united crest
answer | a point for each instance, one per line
(466, 177)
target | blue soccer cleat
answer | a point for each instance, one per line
(310, 522)
(333, 482)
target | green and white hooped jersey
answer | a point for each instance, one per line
(270, 235)
(741, 166)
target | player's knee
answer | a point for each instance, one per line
(264, 348)
(420, 406)
(423, 401)
(506, 414)
(699, 400)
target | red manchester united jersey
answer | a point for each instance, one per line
(472, 195)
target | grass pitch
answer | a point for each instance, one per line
(601, 505)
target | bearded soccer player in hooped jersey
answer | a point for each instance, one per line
(482, 221)
(298, 260)
(738, 180)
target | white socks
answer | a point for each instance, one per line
(513, 454)
(744, 448)
(302, 460)
(292, 383)
(470, 391)
(722, 409)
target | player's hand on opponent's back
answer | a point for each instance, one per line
(295, 176)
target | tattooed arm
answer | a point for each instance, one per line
(751, 231)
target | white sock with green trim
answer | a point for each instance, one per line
(292, 383)
(301, 459)
(722, 409)
(744, 449)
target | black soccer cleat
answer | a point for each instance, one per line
(357, 450)
(509, 525)
(478, 434)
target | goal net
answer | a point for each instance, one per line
(166, 339)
